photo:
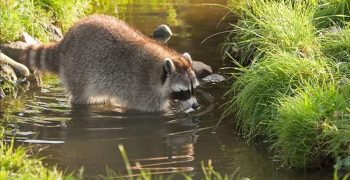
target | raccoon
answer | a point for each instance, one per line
(102, 59)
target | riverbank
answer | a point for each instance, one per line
(294, 89)
(41, 115)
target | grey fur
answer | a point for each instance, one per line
(102, 59)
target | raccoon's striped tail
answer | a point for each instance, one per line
(41, 58)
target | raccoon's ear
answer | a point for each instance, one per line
(187, 56)
(169, 66)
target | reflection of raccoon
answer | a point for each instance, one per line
(102, 59)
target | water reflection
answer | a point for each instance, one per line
(161, 143)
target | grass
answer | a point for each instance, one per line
(332, 13)
(37, 17)
(295, 91)
(65, 12)
(304, 126)
(257, 88)
(15, 164)
(273, 26)
(335, 44)
(19, 16)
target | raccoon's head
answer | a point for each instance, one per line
(180, 81)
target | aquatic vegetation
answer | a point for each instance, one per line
(270, 26)
(256, 90)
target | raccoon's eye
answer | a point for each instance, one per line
(181, 95)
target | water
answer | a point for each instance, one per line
(164, 143)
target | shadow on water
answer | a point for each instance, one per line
(72, 137)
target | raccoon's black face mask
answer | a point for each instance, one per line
(181, 85)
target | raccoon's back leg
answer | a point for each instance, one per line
(82, 92)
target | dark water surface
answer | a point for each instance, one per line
(163, 143)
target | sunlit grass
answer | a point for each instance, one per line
(295, 93)
(258, 87)
(36, 17)
(335, 43)
(19, 16)
(332, 12)
(304, 124)
(15, 164)
(270, 26)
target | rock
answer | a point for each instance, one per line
(56, 33)
(162, 33)
(214, 78)
(29, 39)
(18, 67)
(201, 69)
(14, 49)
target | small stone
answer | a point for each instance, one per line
(214, 78)
(56, 33)
(29, 39)
(162, 33)
(201, 69)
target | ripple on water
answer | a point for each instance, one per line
(161, 142)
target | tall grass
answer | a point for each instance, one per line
(332, 12)
(304, 122)
(37, 17)
(335, 43)
(257, 89)
(295, 93)
(19, 16)
(270, 26)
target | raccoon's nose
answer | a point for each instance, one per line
(195, 105)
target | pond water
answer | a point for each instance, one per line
(164, 143)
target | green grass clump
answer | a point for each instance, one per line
(37, 17)
(335, 43)
(65, 12)
(257, 88)
(332, 12)
(270, 26)
(303, 123)
(19, 16)
(15, 164)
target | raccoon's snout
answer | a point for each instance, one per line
(195, 106)
(190, 103)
